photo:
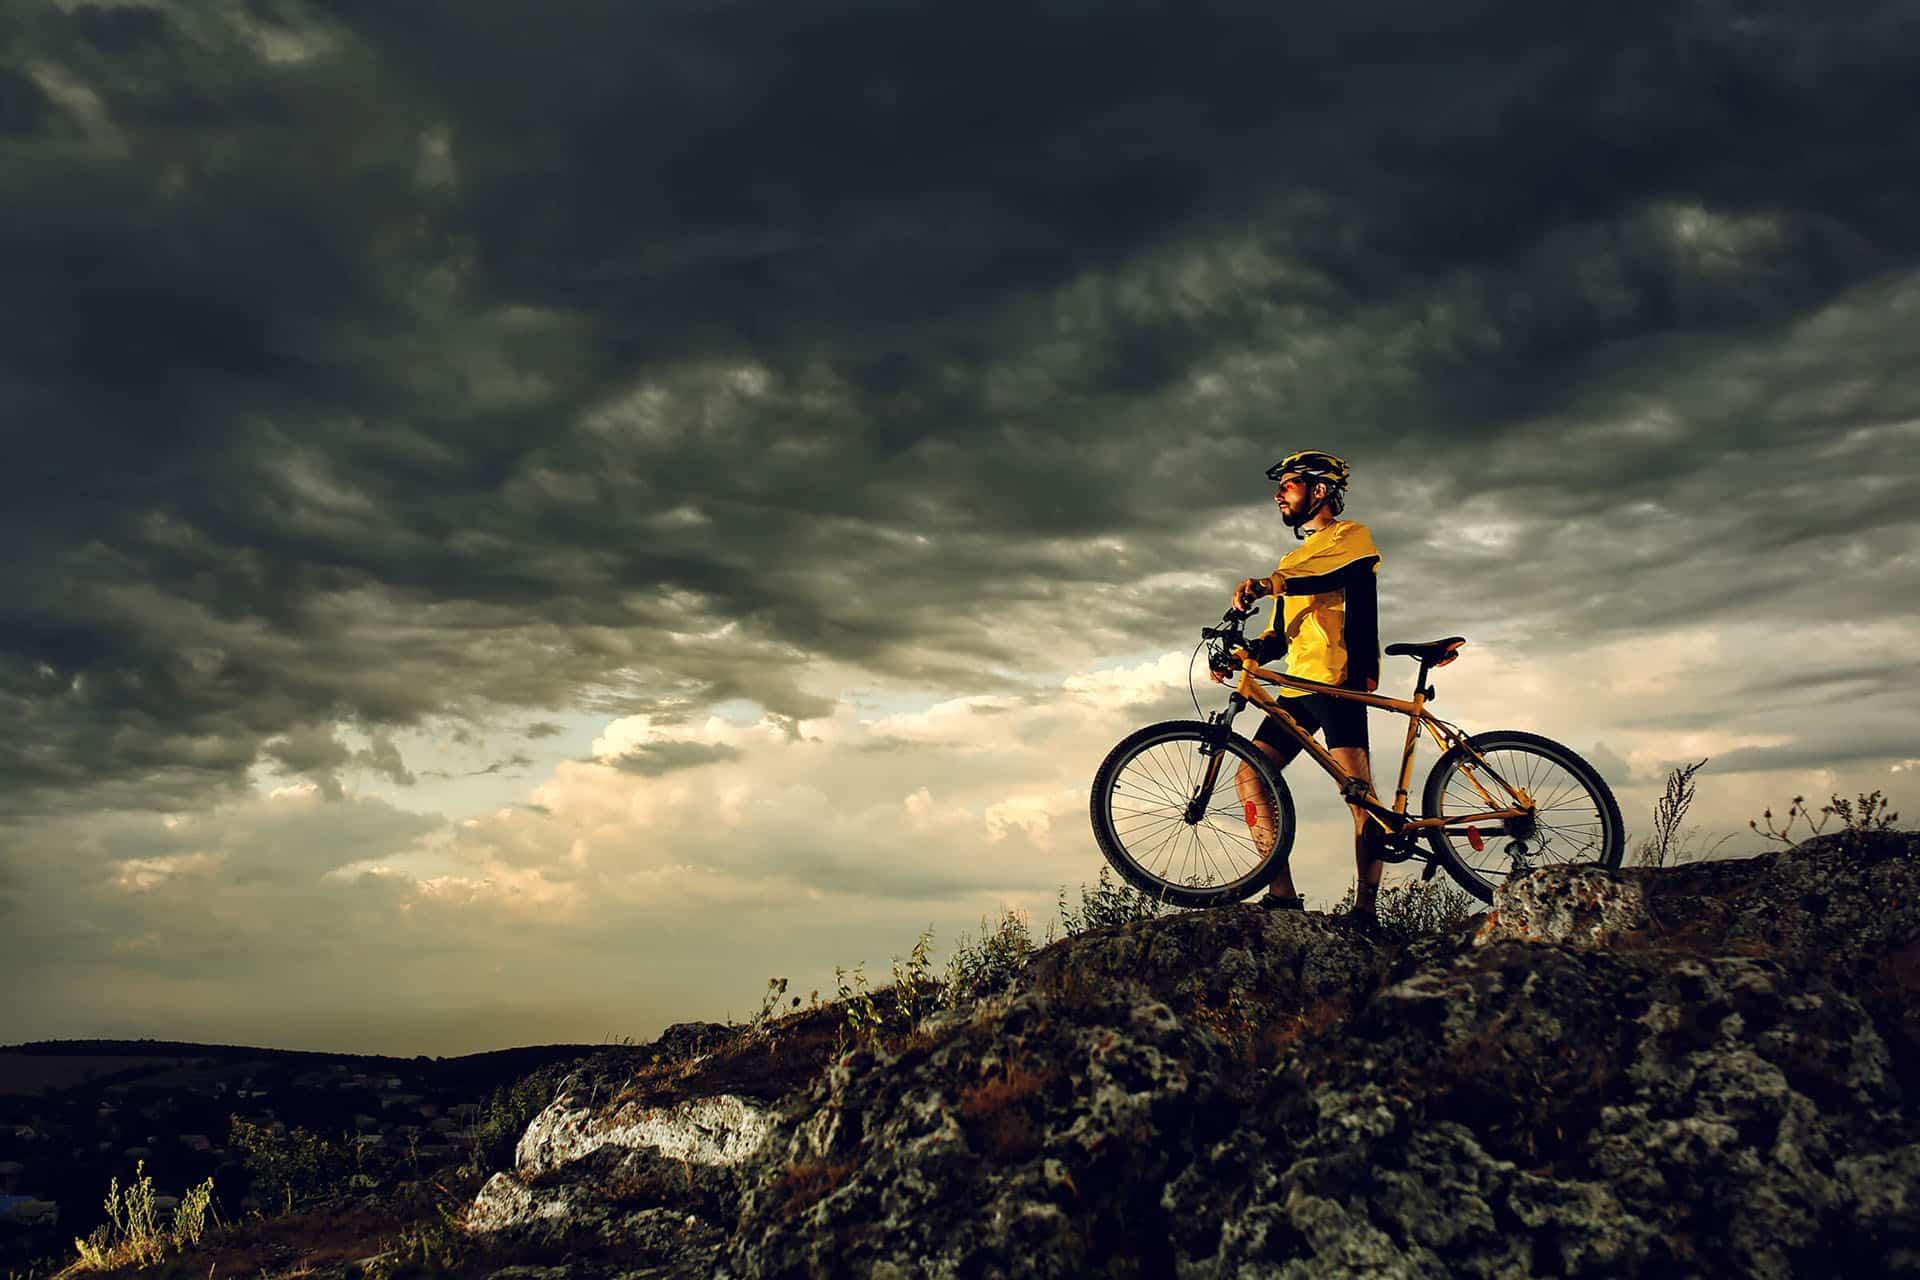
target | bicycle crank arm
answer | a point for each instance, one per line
(1399, 848)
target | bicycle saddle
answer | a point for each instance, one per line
(1431, 653)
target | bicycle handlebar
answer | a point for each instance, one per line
(1232, 619)
(1229, 635)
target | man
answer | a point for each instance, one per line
(1326, 621)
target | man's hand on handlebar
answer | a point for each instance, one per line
(1252, 589)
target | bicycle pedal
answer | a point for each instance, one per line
(1395, 850)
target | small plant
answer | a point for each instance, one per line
(1865, 816)
(1669, 811)
(976, 970)
(1420, 909)
(1862, 821)
(916, 992)
(131, 1235)
(1106, 903)
(864, 1023)
(1796, 812)
(436, 1246)
(760, 1027)
(507, 1114)
(191, 1214)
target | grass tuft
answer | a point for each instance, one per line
(132, 1235)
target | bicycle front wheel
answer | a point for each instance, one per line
(1575, 819)
(1174, 843)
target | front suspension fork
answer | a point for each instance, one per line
(1214, 749)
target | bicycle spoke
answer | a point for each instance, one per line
(1156, 769)
(1148, 792)
(1226, 846)
(1161, 810)
(1147, 828)
(1164, 843)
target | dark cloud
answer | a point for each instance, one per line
(374, 364)
(515, 761)
(498, 768)
(651, 759)
(1823, 748)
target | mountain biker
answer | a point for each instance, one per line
(1326, 623)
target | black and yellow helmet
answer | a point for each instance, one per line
(1313, 464)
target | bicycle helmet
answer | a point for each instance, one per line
(1313, 465)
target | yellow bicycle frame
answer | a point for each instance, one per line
(1360, 792)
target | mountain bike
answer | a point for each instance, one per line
(1183, 829)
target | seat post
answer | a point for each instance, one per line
(1413, 733)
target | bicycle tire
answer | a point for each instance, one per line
(1526, 759)
(1140, 792)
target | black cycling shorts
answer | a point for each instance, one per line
(1342, 720)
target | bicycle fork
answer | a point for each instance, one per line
(1214, 751)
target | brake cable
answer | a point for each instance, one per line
(1191, 692)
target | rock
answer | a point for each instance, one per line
(1704, 1070)
(720, 1130)
(690, 1039)
(1581, 906)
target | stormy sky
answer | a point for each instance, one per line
(524, 521)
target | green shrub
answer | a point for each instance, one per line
(976, 970)
(507, 1114)
(1107, 903)
(296, 1168)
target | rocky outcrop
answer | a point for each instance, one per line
(1707, 1070)
(654, 1184)
(1583, 907)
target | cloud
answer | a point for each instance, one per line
(655, 758)
(389, 376)
(464, 418)
(772, 847)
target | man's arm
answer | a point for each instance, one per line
(1363, 627)
(1340, 579)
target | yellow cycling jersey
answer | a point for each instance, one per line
(1329, 615)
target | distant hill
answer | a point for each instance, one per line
(42, 1066)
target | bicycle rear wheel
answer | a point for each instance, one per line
(1576, 818)
(1151, 825)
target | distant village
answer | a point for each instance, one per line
(170, 1118)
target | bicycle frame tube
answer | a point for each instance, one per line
(1394, 819)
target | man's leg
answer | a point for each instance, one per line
(1258, 804)
(1368, 867)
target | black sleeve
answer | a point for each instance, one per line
(1335, 581)
(1267, 650)
(1363, 624)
